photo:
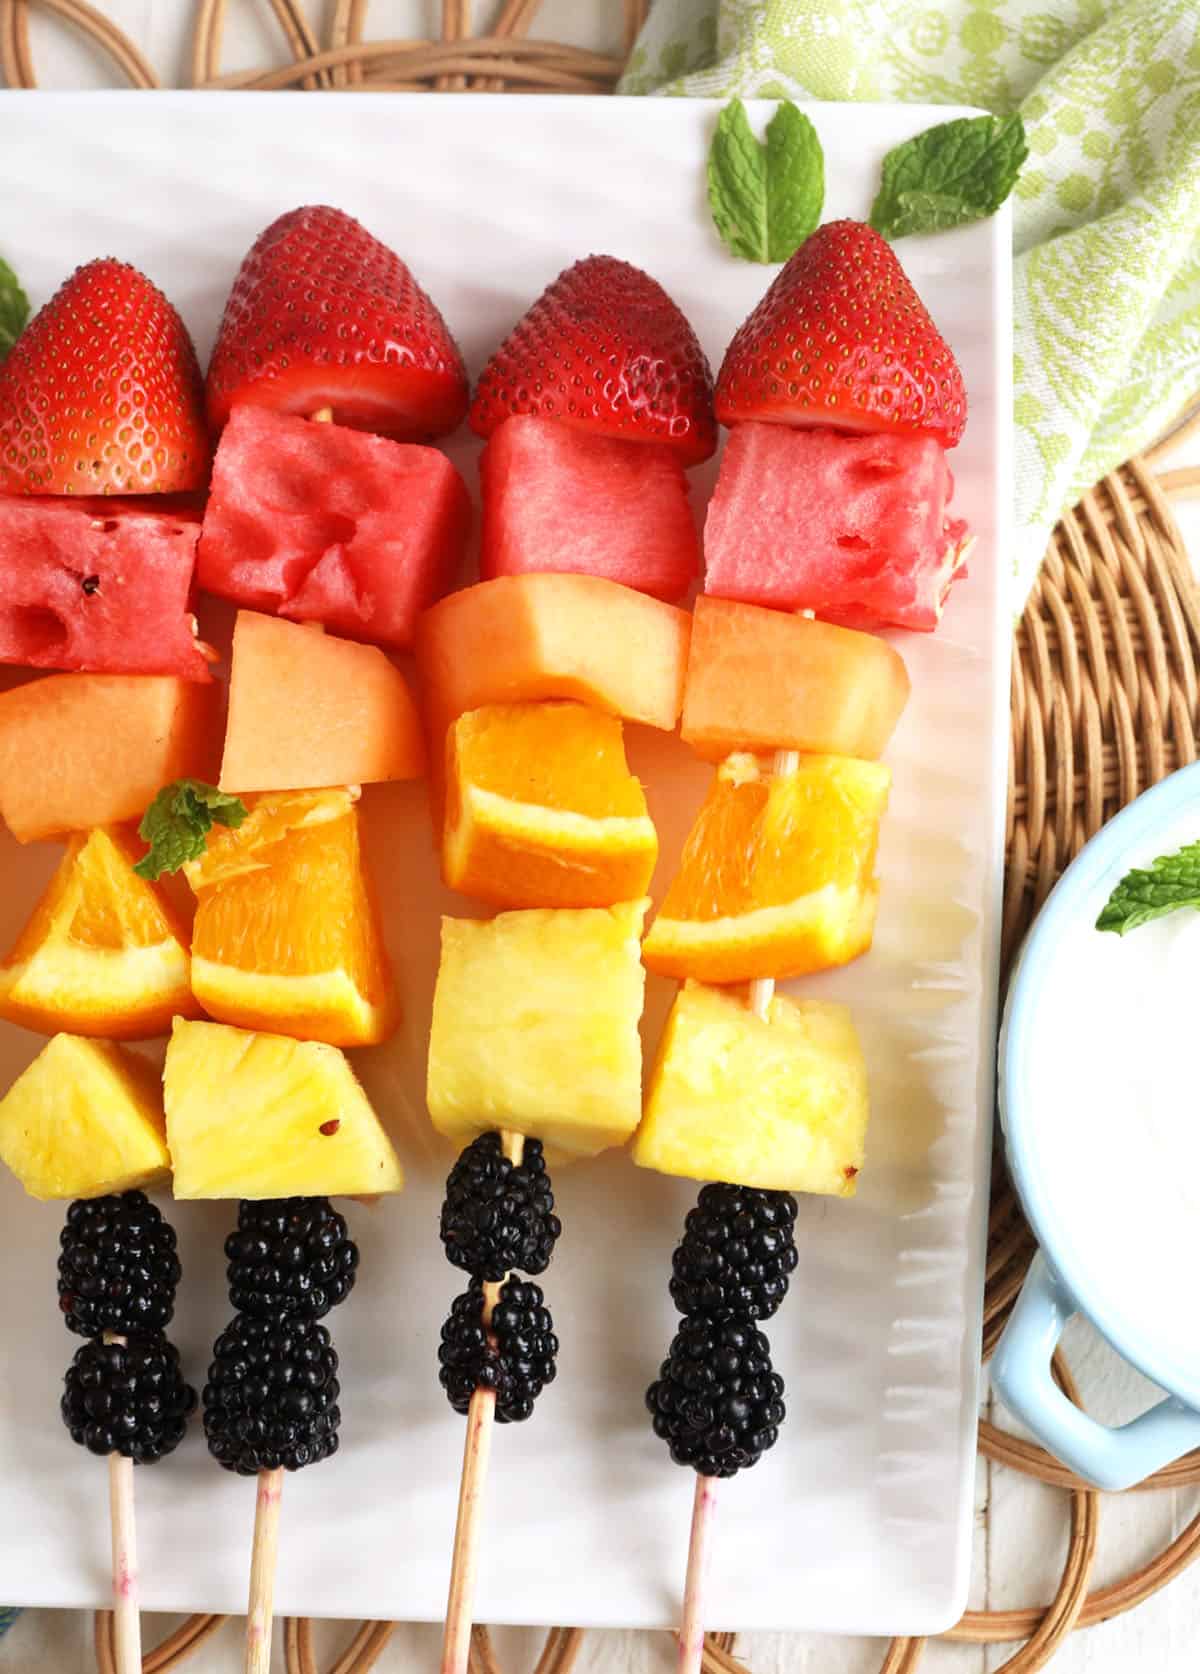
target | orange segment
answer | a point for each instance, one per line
(232, 850)
(102, 954)
(777, 875)
(287, 935)
(542, 809)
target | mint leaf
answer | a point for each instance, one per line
(765, 199)
(1172, 881)
(953, 173)
(795, 181)
(177, 823)
(737, 192)
(14, 309)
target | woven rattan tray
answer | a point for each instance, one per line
(1105, 702)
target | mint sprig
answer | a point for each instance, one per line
(1169, 883)
(177, 823)
(765, 199)
(14, 309)
(953, 173)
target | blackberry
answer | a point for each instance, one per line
(290, 1258)
(117, 1267)
(517, 1365)
(717, 1401)
(128, 1398)
(271, 1395)
(499, 1215)
(737, 1251)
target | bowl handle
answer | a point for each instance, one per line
(1021, 1376)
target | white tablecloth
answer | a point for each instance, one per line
(1021, 1528)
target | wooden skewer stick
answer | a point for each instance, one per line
(762, 989)
(260, 1611)
(691, 1631)
(127, 1622)
(477, 1450)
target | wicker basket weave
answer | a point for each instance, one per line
(1105, 702)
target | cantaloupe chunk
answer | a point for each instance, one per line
(523, 637)
(307, 710)
(81, 750)
(764, 680)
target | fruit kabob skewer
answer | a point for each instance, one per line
(314, 280)
(826, 699)
(124, 1395)
(566, 412)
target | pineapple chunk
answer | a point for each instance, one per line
(780, 1104)
(535, 1027)
(255, 1115)
(84, 1119)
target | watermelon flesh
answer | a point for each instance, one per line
(851, 527)
(320, 523)
(100, 585)
(560, 499)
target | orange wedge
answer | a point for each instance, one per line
(777, 875)
(103, 954)
(287, 935)
(542, 810)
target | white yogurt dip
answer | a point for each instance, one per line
(1112, 1134)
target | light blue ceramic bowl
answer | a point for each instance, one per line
(1060, 1282)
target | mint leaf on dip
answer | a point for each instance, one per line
(1169, 883)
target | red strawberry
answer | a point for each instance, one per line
(843, 339)
(604, 348)
(322, 314)
(102, 394)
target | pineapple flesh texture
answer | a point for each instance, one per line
(257, 1115)
(535, 1027)
(85, 1118)
(780, 1104)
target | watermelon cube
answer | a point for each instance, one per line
(319, 523)
(561, 499)
(853, 528)
(98, 584)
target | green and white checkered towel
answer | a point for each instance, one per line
(1107, 210)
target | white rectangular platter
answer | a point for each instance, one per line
(859, 1520)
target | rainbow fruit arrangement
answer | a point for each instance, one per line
(299, 480)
